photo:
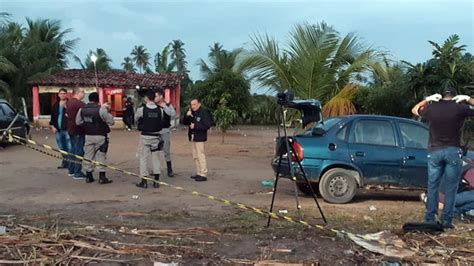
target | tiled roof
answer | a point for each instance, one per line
(117, 78)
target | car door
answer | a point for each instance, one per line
(374, 149)
(8, 115)
(3, 119)
(414, 140)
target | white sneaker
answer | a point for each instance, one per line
(423, 197)
(470, 213)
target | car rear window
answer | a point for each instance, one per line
(325, 125)
(328, 123)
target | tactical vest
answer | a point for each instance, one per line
(93, 123)
(151, 122)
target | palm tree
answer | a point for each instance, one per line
(316, 63)
(161, 61)
(141, 57)
(101, 64)
(6, 67)
(215, 49)
(178, 55)
(37, 50)
(449, 59)
(219, 60)
(128, 65)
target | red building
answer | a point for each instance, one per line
(112, 86)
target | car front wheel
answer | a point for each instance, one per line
(338, 186)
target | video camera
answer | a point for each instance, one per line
(310, 110)
(285, 98)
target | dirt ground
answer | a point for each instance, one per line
(37, 193)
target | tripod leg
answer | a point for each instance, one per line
(298, 205)
(274, 189)
(312, 191)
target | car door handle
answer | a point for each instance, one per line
(409, 158)
(360, 154)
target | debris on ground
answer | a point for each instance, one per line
(385, 243)
(266, 183)
(52, 245)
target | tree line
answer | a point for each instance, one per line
(316, 61)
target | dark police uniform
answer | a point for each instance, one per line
(149, 119)
(96, 121)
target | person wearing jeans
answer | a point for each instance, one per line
(59, 126)
(76, 133)
(446, 115)
(464, 199)
(447, 162)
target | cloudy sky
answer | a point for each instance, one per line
(401, 27)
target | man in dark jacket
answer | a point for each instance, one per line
(76, 132)
(58, 124)
(128, 112)
(199, 121)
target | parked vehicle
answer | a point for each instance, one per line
(342, 154)
(20, 127)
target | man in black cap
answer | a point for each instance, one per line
(446, 114)
(149, 118)
(96, 120)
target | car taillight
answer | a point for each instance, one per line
(299, 152)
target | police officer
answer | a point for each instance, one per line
(96, 120)
(168, 114)
(149, 119)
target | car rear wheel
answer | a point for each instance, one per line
(338, 186)
(304, 188)
(25, 133)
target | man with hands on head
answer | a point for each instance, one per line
(446, 115)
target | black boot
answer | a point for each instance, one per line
(142, 184)
(156, 184)
(103, 179)
(89, 177)
(170, 169)
(200, 178)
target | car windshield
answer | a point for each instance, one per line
(324, 125)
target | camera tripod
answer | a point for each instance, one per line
(285, 146)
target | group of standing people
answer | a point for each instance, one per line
(83, 130)
(154, 122)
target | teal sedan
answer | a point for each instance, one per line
(342, 154)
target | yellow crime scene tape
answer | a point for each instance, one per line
(31, 145)
(25, 142)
